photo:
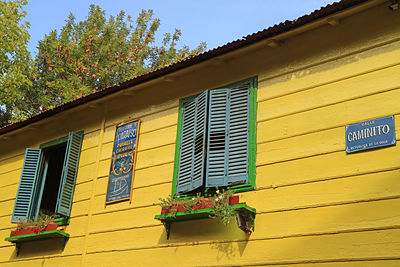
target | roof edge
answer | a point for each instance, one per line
(229, 47)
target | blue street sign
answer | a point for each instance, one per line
(370, 134)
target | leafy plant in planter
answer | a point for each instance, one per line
(221, 208)
(40, 224)
(219, 203)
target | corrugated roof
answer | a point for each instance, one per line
(229, 47)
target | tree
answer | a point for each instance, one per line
(15, 61)
(98, 52)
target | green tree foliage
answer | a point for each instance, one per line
(98, 52)
(15, 61)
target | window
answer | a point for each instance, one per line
(216, 139)
(48, 178)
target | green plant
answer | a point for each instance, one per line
(171, 203)
(220, 206)
(168, 203)
(41, 221)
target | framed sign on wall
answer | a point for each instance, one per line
(123, 161)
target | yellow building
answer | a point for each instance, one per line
(299, 84)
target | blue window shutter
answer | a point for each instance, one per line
(228, 137)
(192, 147)
(23, 207)
(68, 176)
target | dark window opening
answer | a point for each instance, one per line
(198, 144)
(217, 140)
(52, 170)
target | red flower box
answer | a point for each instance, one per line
(26, 231)
(203, 204)
(33, 230)
(51, 227)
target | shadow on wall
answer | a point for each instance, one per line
(226, 240)
(39, 248)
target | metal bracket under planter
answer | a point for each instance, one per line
(245, 217)
(18, 240)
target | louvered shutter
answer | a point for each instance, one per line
(192, 146)
(68, 177)
(23, 207)
(228, 137)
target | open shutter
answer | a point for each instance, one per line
(192, 146)
(68, 177)
(27, 184)
(228, 137)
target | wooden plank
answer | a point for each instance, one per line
(332, 116)
(335, 92)
(104, 168)
(91, 140)
(326, 193)
(368, 244)
(335, 219)
(75, 245)
(121, 113)
(7, 253)
(153, 139)
(143, 177)
(301, 146)
(139, 217)
(149, 123)
(3, 234)
(83, 191)
(156, 156)
(141, 197)
(106, 151)
(88, 156)
(10, 178)
(63, 261)
(5, 222)
(80, 208)
(160, 119)
(157, 138)
(8, 192)
(22, 263)
(109, 134)
(77, 226)
(86, 173)
(328, 72)
(321, 142)
(153, 175)
(6, 207)
(351, 189)
(101, 186)
(11, 164)
(327, 166)
(344, 263)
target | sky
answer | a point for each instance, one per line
(215, 22)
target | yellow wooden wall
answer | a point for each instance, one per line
(316, 205)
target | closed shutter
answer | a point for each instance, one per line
(23, 207)
(192, 145)
(68, 177)
(228, 137)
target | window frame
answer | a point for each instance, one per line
(38, 186)
(252, 149)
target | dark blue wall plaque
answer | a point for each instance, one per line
(122, 162)
(370, 134)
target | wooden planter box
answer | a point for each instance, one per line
(203, 204)
(33, 233)
(33, 230)
(203, 210)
